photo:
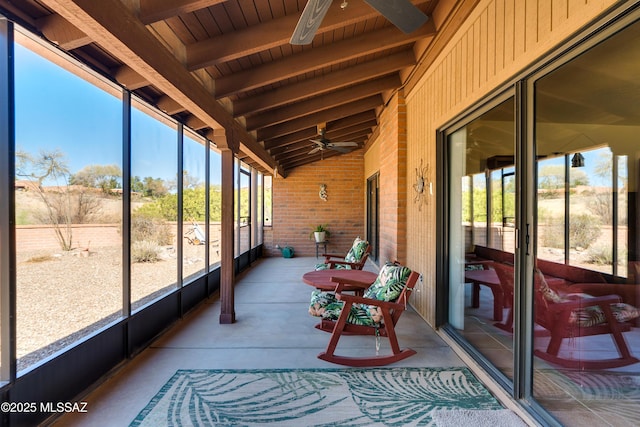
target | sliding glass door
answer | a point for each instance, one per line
(481, 166)
(586, 140)
(542, 247)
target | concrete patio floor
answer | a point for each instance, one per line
(272, 330)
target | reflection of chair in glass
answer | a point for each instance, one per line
(485, 276)
(580, 315)
(375, 313)
(355, 258)
(505, 275)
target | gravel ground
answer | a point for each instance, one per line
(63, 296)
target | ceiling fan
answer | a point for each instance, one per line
(325, 143)
(401, 13)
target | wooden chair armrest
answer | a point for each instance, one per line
(340, 256)
(369, 301)
(334, 263)
(579, 302)
(486, 263)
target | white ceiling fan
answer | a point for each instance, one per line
(401, 13)
(325, 143)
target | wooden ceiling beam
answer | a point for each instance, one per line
(291, 150)
(309, 159)
(128, 78)
(195, 123)
(325, 83)
(169, 105)
(270, 34)
(320, 57)
(62, 32)
(301, 135)
(336, 129)
(280, 149)
(360, 130)
(276, 145)
(154, 10)
(302, 148)
(301, 153)
(322, 102)
(328, 115)
(351, 120)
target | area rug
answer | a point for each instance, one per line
(612, 395)
(475, 418)
(314, 397)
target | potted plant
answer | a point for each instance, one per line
(320, 233)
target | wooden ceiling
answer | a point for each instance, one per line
(225, 67)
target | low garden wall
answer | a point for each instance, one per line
(34, 237)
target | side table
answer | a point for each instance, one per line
(318, 244)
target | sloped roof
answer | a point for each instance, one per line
(227, 65)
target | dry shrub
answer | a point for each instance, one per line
(40, 258)
(144, 228)
(145, 251)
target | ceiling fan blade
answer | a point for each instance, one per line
(340, 149)
(317, 141)
(315, 150)
(401, 13)
(343, 144)
(309, 21)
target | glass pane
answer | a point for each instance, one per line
(621, 246)
(480, 293)
(268, 207)
(68, 204)
(244, 219)
(154, 207)
(215, 206)
(479, 206)
(259, 221)
(591, 211)
(551, 207)
(508, 209)
(193, 207)
(585, 293)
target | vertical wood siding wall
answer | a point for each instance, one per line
(498, 40)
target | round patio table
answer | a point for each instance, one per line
(321, 279)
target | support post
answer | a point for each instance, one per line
(224, 142)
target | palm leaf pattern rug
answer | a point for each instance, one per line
(313, 397)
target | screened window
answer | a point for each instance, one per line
(193, 206)
(154, 207)
(68, 203)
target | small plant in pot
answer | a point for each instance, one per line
(320, 233)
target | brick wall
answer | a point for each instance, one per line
(393, 180)
(297, 206)
(34, 237)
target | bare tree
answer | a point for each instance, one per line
(63, 206)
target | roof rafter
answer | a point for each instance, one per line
(322, 102)
(274, 33)
(321, 57)
(154, 10)
(325, 83)
(324, 116)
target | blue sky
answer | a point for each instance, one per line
(591, 160)
(57, 110)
